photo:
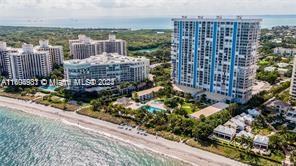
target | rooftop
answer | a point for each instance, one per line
(128, 103)
(276, 103)
(245, 134)
(217, 18)
(225, 130)
(247, 118)
(269, 68)
(261, 139)
(284, 49)
(283, 65)
(210, 110)
(110, 58)
(26, 48)
(88, 40)
(44, 44)
(148, 91)
(238, 122)
(3, 45)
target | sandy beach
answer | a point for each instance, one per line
(159, 145)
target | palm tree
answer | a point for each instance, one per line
(96, 104)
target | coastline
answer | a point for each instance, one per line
(158, 145)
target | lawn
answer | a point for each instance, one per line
(262, 131)
(56, 99)
(236, 154)
(187, 107)
(263, 63)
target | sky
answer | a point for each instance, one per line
(53, 9)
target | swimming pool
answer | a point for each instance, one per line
(152, 109)
(48, 88)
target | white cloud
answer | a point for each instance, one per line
(132, 8)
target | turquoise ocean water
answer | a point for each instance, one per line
(30, 140)
(133, 23)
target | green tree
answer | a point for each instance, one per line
(96, 104)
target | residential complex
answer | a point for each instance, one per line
(107, 66)
(216, 55)
(27, 62)
(56, 52)
(84, 46)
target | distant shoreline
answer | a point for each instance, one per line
(162, 146)
(113, 23)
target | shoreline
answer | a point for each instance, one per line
(171, 149)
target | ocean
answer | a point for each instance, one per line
(27, 139)
(132, 23)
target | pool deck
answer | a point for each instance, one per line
(48, 88)
(156, 104)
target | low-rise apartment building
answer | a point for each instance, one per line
(108, 69)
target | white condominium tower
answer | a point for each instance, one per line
(56, 52)
(107, 66)
(27, 63)
(85, 47)
(3, 58)
(82, 48)
(293, 81)
(216, 55)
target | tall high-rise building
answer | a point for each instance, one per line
(293, 81)
(216, 55)
(107, 66)
(56, 52)
(85, 47)
(82, 48)
(27, 63)
(112, 45)
(3, 58)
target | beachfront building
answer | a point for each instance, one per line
(239, 123)
(27, 63)
(245, 134)
(146, 94)
(3, 58)
(293, 81)
(217, 55)
(261, 142)
(247, 118)
(253, 112)
(224, 132)
(106, 67)
(85, 47)
(56, 52)
(278, 106)
(284, 51)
